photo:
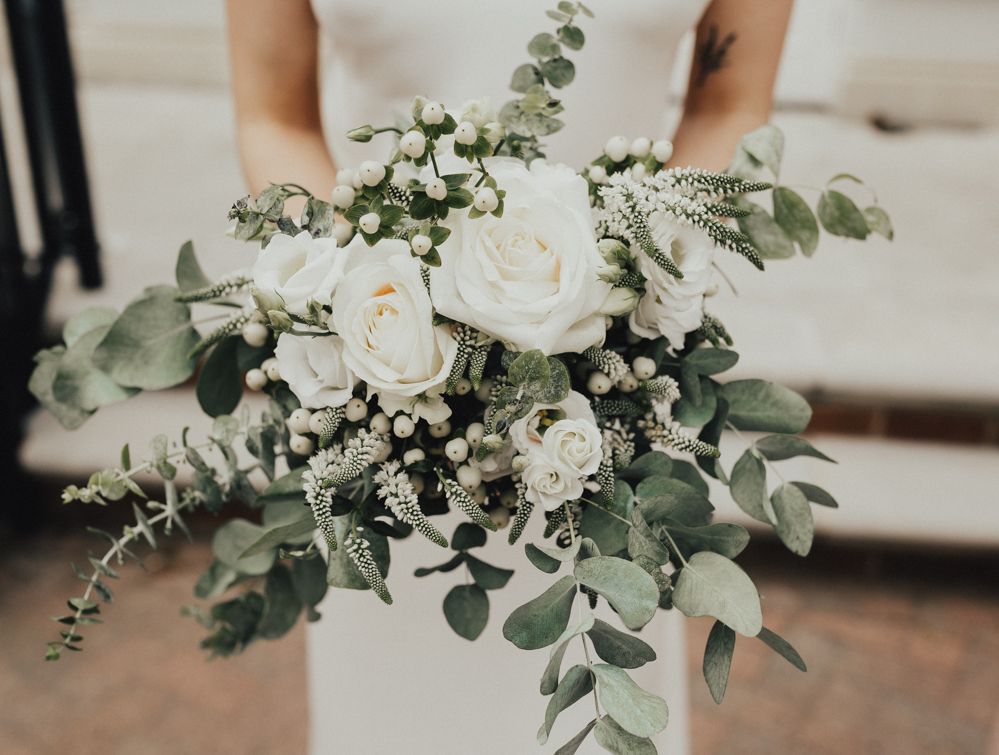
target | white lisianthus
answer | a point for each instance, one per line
(561, 457)
(530, 277)
(314, 369)
(299, 268)
(672, 307)
(384, 315)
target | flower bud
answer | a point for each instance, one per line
(266, 300)
(620, 301)
(280, 321)
(361, 133)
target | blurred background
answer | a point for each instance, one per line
(119, 147)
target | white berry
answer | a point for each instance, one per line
(421, 244)
(479, 495)
(432, 114)
(597, 174)
(628, 383)
(440, 429)
(643, 367)
(466, 133)
(437, 189)
(456, 449)
(638, 171)
(272, 371)
(469, 477)
(500, 516)
(662, 150)
(355, 410)
(343, 196)
(640, 147)
(599, 384)
(413, 144)
(298, 422)
(345, 176)
(463, 387)
(343, 233)
(380, 423)
(317, 420)
(486, 200)
(617, 148)
(256, 379)
(474, 433)
(369, 222)
(413, 455)
(372, 173)
(301, 445)
(403, 426)
(255, 334)
(484, 393)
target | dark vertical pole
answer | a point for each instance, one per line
(46, 87)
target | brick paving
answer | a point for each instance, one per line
(902, 647)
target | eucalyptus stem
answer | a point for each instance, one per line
(579, 618)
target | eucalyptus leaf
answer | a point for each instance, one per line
(712, 585)
(766, 145)
(668, 498)
(549, 679)
(282, 605)
(779, 447)
(543, 45)
(723, 538)
(220, 383)
(718, 660)
(539, 622)
(559, 71)
(638, 712)
(782, 647)
(524, 77)
(282, 534)
(86, 321)
(309, 578)
(608, 532)
(793, 214)
(466, 608)
(573, 745)
(616, 740)
(79, 382)
(541, 560)
(341, 571)
(47, 363)
(233, 539)
(487, 576)
(766, 235)
(653, 463)
(711, 361)
(630, 590)
(467, 535)
(840, 216)
(188, 272)
(765, 406)
(879, 222)
(748, 486)
(561, 554)
(642, 541)
(575, 685)
(795, 526)
(815, 494)
(691, 414)
(618, 648)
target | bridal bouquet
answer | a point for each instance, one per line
(471, 326)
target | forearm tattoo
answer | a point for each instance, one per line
(712, 54)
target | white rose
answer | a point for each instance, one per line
(299, 268)
(576, 444)
(672, 307)
(383, 313)
(531, 277)
(314, 369)
(549, 485)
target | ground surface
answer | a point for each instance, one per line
(902, 647)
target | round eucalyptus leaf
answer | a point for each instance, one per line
(712, 585)
(618, 648)
(539, 622)
(638, 712)
(765, 406)
(631, 590)
(616, 740)
(466, 608)
(795, 526)
(841, 217)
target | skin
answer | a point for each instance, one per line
(276, 88)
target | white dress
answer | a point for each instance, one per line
(388, 680)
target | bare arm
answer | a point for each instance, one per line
(730, 92)
(273, 49)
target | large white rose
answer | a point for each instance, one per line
(549, 485)
(672, 307)
(314, 369)
(382, 311)
(299, 268)
(529, 278)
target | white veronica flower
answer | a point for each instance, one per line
(672, 307)
(530, 277)
(314, 369)
(299, 268)
(383, 313)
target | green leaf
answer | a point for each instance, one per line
(575, 685)
(769, 238)
(766, 145)
(86, 321)
(466, 608)
(783, 648)
(282, 605)
(642, 541)
(487, 576)
(879, 222)
(765, 406)
(794, 526)
(793, 214)
(718, 660)
(571, 36)
(815, 494)
(614, 739)
(79, 382)
(149, 343)
(541, 560)
(691, 414)
(447, 566)
(468, 535)
(561, 554)
(712, 585)
(630, 590)
(543, 45)
(549, 679)
(840, 216)
(188, 272)
(215, 580)
(635, 710)
(530, 370)
(220, 383)
(539, 622)
(668, 498)
(608, 532)
(287, 488)
(558, 384)
(653, 463)
(309, 578)
(524, 77)
(558, 71)
(724, 538)
(341, 571)
(47, 363)
(284, 533)
(573, 745)
(710, 361)
(748, 486)
(779, 447)
(617, 648)
(233, 539)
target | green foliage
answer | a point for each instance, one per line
(573, 745)
(840, 216)
(220, 382)
(670, 498)
(575, 685)
(782, 647)
(188, 272)
(796, 218)
(549, 679)
(635, 710)
(237, 537)
(342, 572)
(718, 659)
(711, 585)
(606, 530)
(466, 608)
(630, 590)
(541, 560)
(769, 237)
(539, 622)
(617, 740)
(487, 576)
(780, 447)
(618, 648)
(815, 494)
(879, 222)
(467, 535)
(748, 485)
(765, 406)
(794, 524)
